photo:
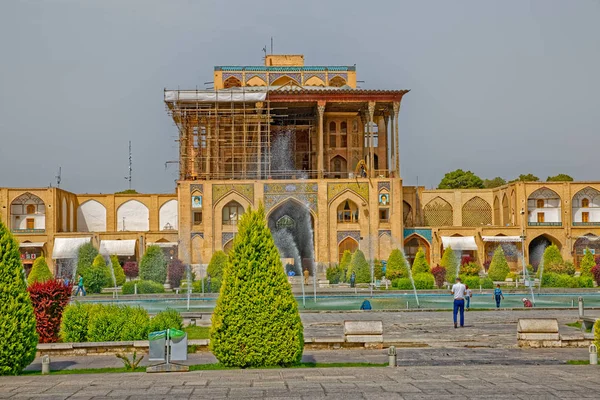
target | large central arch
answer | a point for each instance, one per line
(292, 226)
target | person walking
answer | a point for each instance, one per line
(458, 290)
(80, 287)
(498, 295)
(352, 279)
(468, 295)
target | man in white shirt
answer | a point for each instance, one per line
(458, 290)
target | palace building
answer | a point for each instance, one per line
(323, 157)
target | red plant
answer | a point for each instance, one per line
(597, 259)
(49, 300)
(466, 260)
(131, 269)
(486, 265)
(175, 272)
(596, 274)
(439, 273)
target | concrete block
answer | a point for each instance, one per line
(198, 342)
(364, 338)
(538, 336)
(328, 339)
(54, 346)
(141, 343)
(537, 325)
(363, 328)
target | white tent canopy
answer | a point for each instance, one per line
(162, 244)
(68, 247)
(117, 247)
(214, 96)
(459, 243)
(502, 239)
(32, 244)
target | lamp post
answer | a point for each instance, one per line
(523, 241)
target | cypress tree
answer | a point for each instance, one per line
(587, 263)
(553, 260)
(85, 258)
(256, 321)
(499, 268)
(153, 266)
(344, 264)
(18, 337)
(360, 266)
(217, 265)
(397, 267)
(449, 262)
(98, 276)
(39, 272)
(118, 270)
(420, 264)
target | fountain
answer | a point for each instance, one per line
(112, 274)
(188, 283)
(412, 281)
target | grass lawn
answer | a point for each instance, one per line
(578, 362)
(578, 326)
(197, 332)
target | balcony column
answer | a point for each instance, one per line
(396, 137)
(371, 141)
(259, 107)
(208, 147)
(321, 109)
(391, 131)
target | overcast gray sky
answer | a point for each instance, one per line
(497, 87)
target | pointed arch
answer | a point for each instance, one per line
(586, 207)
(348, 243)
(231, 82)
(256, 81)
(285, 80)
(91, 217)
(133, 215)
(497, 214)
(337, 81)
(505, 211)
(412, 244)
(338, 165)
(544, 207)
(168, 216)
(314, 81)
(476, 212)
(28, 212)
(438, 212)
(537, 246)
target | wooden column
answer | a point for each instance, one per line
(321, 109)
(396, 137)
(371, 141)
(208, 145)
(392, 146)
(259, 107)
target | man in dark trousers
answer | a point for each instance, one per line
(458, 290)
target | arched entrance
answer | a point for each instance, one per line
(588, 241)
(411, 246)
(292, 226)
(537, 247)
(347, 244)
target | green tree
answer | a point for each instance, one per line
(460, 179)
(499, 268)
(587, 263)
(494, 183)
(256, 321)
(345, 264)
(127, 191)
(560, 178)
(377, 269)
(420, 265)
(397, 267)
(118, 270)
(552, 259)
(450, 263)
(98, 276)
(217, 265)
(39, 272)
(153, 266)
(18, 339)
(526, 178)
(360, 266)
(85, 257)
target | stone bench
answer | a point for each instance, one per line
(538, 332)
(367, 332)
(588, 323)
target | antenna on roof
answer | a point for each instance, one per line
(130, 169)
(58, 177)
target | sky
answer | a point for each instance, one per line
(500, 88)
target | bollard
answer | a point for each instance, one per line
(392, 356)
(135, 288)
(593, 355)
(45, 365)
(580, 307)
(407, 305)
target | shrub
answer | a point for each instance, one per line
(587, 263)
(168, 319)
(135, 323)
(97, 276)
(487, 283)
(596, 274)
(361, 267)
(175, 271)
(377, 269)
(450, 263)
(397, 267)
(118, 270)
(486, 265)
(439, 274)
(85, 258)
(552, 279)
(597, 335)
(335, 274)
(49, 299)
(420, 264)
(256, 321)
(402, 284)
(470, 269)
(424, 281)
(552, 259)
(217, 264)
(39, 272)
(143, 287)
(585, 282)
(131, 269)
(18, 338)
(499, 268)
(344, 265)
(73, 327)
(153, 266)
(215, 285)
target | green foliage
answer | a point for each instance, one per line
(104, 324)
(215, 285)
(256, 321)
(470, 269)
(153, 266)
(585, 282)
(127, 191)
(85, 258)
(450, 263)
(402, 284)
(18, 337)
(471, 281)
(499, 268)
(344, 265)
(560, 178)
(424, 281)
(143, 287)
(39, 272)
(377, 269)
(552, 279)
(118, 270)
(487, 283)
(526, 178)
(420, 265)
(587, 263)
(553, 260)
(494, 183)
(74, 324)
(335, 273)
(135, 323)
(132, 364)
(460, 179)
(217, 265)
(168, 319)
(360, 266)
(97, 276)
(397, 267)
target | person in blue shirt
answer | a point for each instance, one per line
(498, 295)
(80, 288)
(366, 305)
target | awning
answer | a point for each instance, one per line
(214, 96)
(502, 239)
(68, 247)
(162, 244)
(459, 243)
(117, 247)
(32, 244)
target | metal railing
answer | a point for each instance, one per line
(544, 223)
(26, 231)
(593, 223)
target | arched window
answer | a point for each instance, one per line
(30, 209)
(347, 244)
(344, 127)
(332, 127)
(28, 213)
(232, 212)
(540, 203)
(347, 212)
(232, 81)
(585, 203)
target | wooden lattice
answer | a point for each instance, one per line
(476, 212)
(438, 212)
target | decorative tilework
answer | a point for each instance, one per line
(196, 187)
(308, 199)
(341, 235)
(383, 185)
(198, 234)
(305, 193)
(385, 232)
(276, 188)
(344, 76)
(226, 237)
(261, 75)
(320, 75)
(227, 75)
(274, 76)
(245, 190)
(362, 189)
(426, 233)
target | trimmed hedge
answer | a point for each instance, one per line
(153, 266)
(397, 267)
(420, 264)
(424, 281)
(402, 284)
(449, 262)
(499, 268)
(143, 287)
(471, 281)
(215, 285)
(168, 319)
(486, 283)
(98, 276)
(551, 279)
(344, 264)
(360, 266)
(217, 264)
(39, 272)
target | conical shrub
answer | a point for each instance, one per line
(39, 272)
(344, 264)
(98, 276)
(118, 270)
(420, 265)
(153, 266)
(360, 266)
(18, 337)
(587, 263)
(449, 262)
(256, 321)
(396, 267)
(499, 268)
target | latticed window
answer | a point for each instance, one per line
(438, 212)
(585, 203)
(540, 203)
(285, 222)
(476, 211)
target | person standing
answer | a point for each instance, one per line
(80, 287)
(458, 290)
(306, 274)
(468, 295)
(498, 295)
(352, 279)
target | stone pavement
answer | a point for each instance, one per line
(439, 383)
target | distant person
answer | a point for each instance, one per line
(66, 281)
(352, 279)
(208, 283)
(458, 290)
(366, 305)
(468, 295)
(498, 296)
(363, 172)
(80, 287)
(306, 275)
(527, 303)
